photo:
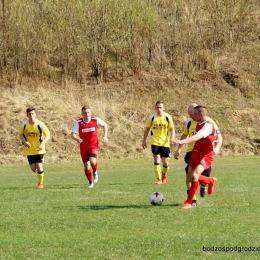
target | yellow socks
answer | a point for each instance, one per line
(40, 177)
(165, 169)
(158, 171)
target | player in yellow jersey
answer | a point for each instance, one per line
(190, 130)
(34, 134)
(162, 135)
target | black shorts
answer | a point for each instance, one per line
(186, 160)
(161, 150)
(38, 158)
(91, 155)
(187, 157)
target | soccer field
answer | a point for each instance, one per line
(114, 220)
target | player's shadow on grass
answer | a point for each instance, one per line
(47, 187)
(105, 207)
(16, 188)
(65, 187)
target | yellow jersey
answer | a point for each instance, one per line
(190, 130)
(33, 134)
(159, 126)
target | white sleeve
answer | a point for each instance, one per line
(206, 130)
(75, 128)
(100, 122)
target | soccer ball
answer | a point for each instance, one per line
(156, 198)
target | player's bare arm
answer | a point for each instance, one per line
(218, 143)
(146, 132)
(75, 137)
(178, 151)
(43, 142)
(172, 135)
(105, 129)
(24, 142)
(190, 139)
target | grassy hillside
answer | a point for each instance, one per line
(63, 56)
(125, 106)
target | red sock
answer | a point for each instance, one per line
(205, 179)
(88, 175)
(192, 191)
(94, 167)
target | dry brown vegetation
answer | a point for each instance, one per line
(121, 62)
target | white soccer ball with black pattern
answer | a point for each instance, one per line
(156, 198)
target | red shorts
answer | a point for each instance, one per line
(197, 158)
(85, 153)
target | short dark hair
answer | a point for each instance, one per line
(85, 107)
(30, 109)
(158, 102)
(202, 109)
(200, 106)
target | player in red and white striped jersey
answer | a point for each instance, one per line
(202, 154)
(85, 132)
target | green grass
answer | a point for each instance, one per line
(114, 220)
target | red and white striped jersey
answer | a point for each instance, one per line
(88, 131)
